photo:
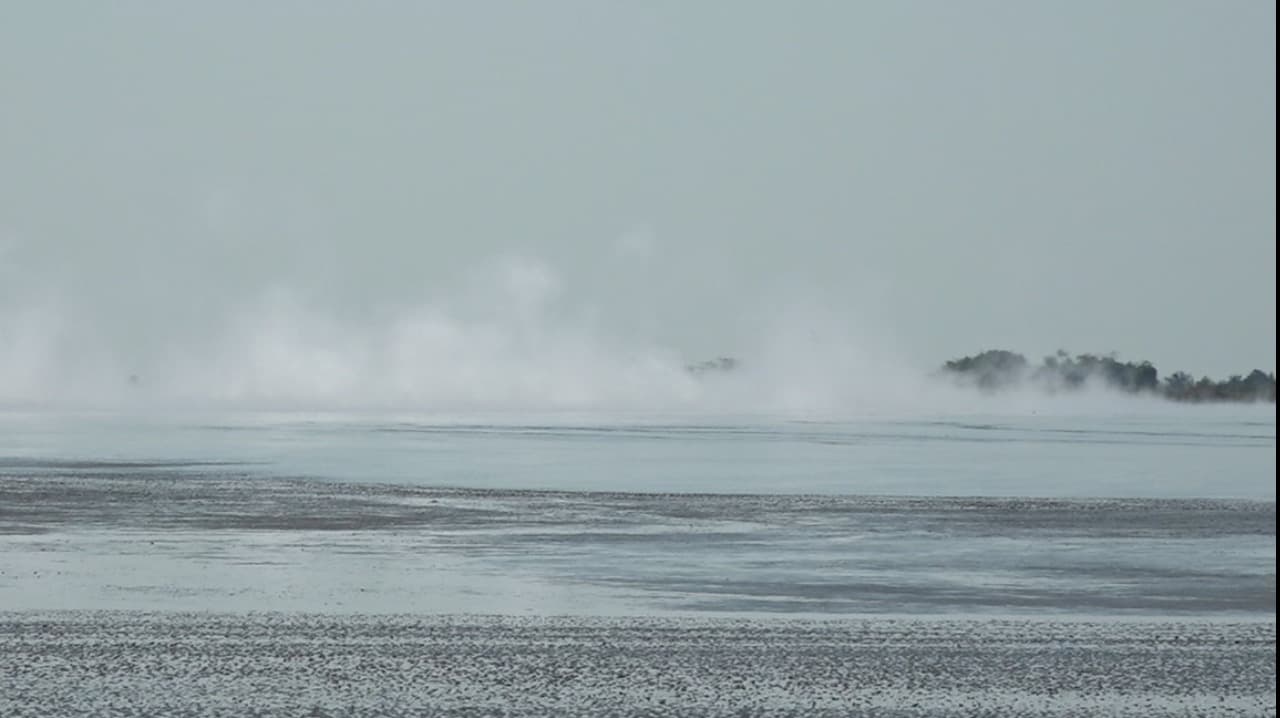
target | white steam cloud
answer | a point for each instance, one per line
(509, 335)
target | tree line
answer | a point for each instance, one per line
(998, 369)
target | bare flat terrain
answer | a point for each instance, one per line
(211, 589)
(106, 663)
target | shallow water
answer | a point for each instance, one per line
(1220, 452)
(1134, 515)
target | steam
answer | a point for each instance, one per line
(509, 335)
(512, 354)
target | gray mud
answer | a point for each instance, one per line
(269, 664)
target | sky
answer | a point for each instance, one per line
(927, 178)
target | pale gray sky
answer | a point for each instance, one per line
(943, 176)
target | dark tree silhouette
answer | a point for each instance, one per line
(998, 369)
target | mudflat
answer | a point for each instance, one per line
(108, 663)
(207, 589)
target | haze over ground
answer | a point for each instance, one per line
(219, 194)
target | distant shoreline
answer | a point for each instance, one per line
(999, 370)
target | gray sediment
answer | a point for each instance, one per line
(105, 663)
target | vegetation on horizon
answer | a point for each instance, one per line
(999, 369)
